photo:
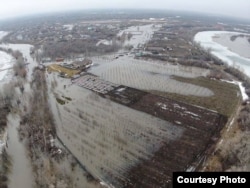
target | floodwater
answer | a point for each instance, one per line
(25, 50)
(123, 69)
(21, 175)
(149, 76)
(107, 137)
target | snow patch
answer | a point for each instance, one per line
(105, 42)
(230, 125)
(178, 122)
(106, 185)
(191, 113)
(242, 88)
(3, 141)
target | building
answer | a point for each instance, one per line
(59, 59)
(84, 64)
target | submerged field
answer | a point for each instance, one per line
(119, 133)
(151, 76)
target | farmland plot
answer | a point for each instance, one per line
(108, 138)
(117, 143)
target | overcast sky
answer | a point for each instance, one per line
(234, 8)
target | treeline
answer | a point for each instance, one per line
(19, 66)
(178, 60)
(232, 38)
(244, 118)
(68, 48)
(4, 110)
(5, 168)
(240, 76)
(37, 130)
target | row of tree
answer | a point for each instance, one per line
(19, 66)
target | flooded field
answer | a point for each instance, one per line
(111, 139)
(150, 76)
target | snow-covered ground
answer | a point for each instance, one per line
(228, 51)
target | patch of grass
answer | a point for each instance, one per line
(60, 101)
(225, 99)
(60, 69)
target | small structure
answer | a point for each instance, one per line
(59, 59)
(155, 49)
(84, 64)
(46, 60)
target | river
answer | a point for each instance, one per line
(21, 173)
(226, 50)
